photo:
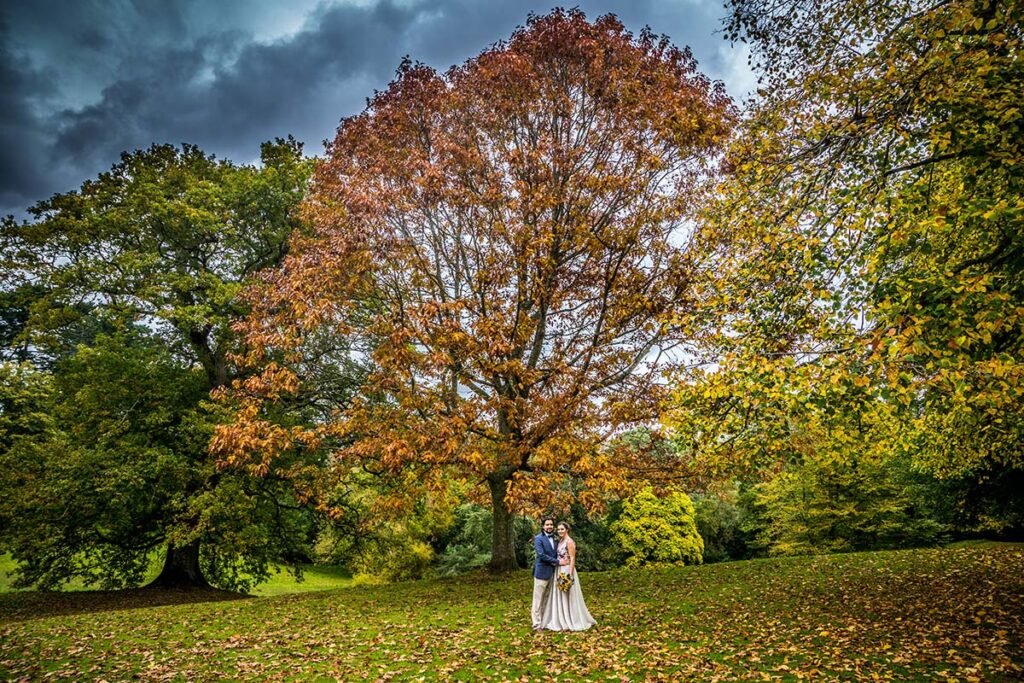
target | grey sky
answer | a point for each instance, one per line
(82, 80)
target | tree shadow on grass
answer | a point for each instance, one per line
(20, 606)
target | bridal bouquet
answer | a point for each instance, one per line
(564, 582)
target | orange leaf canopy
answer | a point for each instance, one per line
(508, 245)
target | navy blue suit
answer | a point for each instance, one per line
(547, 558)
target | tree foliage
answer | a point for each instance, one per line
(24, 418)
(508, 243)
(835, 505)
(723, 519)
(92, 493)
(658, 529)
(870, 238)
(166, 237)
(133, 282)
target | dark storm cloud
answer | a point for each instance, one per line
(227, 96)
(81, 85)
(22, 90)
(460, 28)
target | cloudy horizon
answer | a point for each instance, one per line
(81, 82)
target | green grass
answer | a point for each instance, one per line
(908, 615)
(981, 543)
(314, 578)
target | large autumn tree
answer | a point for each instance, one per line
(870, 241)
(122, 295)
(510, 243)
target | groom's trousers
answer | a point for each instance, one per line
(540, 591)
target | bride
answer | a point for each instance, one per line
(566, 610)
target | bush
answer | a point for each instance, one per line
(658, 530)
(460, 558)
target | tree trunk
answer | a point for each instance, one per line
(181, 568)
(503, 556)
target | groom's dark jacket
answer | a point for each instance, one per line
(547, 557)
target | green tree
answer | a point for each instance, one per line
(25, 419)
(89, 496)
(467, 545)
(828, 504)
(596, 549)
(15, 303)
(721, 519)
(154, 251)
(655, 529)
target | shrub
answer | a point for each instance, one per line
(658, 530)
(460, 558)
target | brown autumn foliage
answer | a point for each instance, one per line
(509, 243)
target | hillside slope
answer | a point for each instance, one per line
(956, 613)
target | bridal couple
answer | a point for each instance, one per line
(557, 598)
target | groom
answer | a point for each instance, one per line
(544, 545)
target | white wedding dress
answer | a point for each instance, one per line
(566, 610)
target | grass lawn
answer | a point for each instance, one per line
(949, 614)
(314, 578)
